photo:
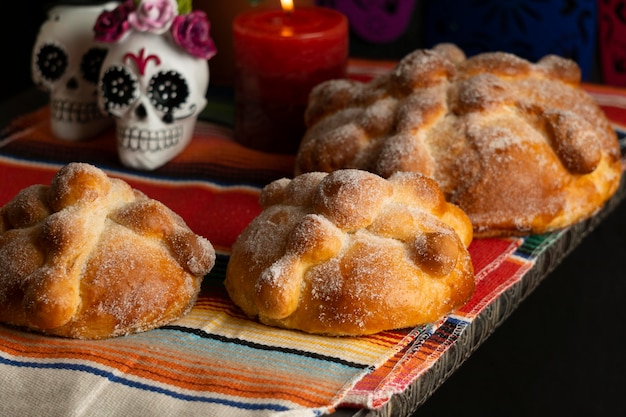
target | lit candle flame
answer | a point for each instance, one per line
(287, 6)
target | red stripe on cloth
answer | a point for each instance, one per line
(495, 283)
(616, 115)
(15, 176)
(488, 253)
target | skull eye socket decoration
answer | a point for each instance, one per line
(118, 88)
(168, 91)
(154, 78)
(66, 63)
(51, 62)
(91, 63)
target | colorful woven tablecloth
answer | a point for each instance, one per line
(216, 362)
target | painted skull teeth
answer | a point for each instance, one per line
(145, 140)
(73, 112)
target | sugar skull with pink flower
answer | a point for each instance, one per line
(154, 79)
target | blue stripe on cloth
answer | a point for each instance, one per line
(146, 387)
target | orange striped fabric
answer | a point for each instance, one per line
(215, 361)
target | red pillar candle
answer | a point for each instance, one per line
(279, 57)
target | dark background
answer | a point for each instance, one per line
(21, 22)
(27, 16)
(562, 352)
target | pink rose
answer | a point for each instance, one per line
(153, 16)
(192, 32)
(111, 25)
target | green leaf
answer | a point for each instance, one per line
(184, 6)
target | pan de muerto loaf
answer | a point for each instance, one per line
(89, 257)
(352, 253)
(519, 146)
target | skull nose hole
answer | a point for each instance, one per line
(72, 84)
(168, 118)
(141, 112)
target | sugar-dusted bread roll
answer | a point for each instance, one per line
(520, 147)
(89, 257)
(352, 253)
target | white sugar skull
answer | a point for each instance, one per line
(155, 92)
(66, 63)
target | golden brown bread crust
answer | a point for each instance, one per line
(351, 253)
(88, 257)
(520, 147)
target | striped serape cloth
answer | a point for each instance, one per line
(215, 361)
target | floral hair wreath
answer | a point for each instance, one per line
(189, 29)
